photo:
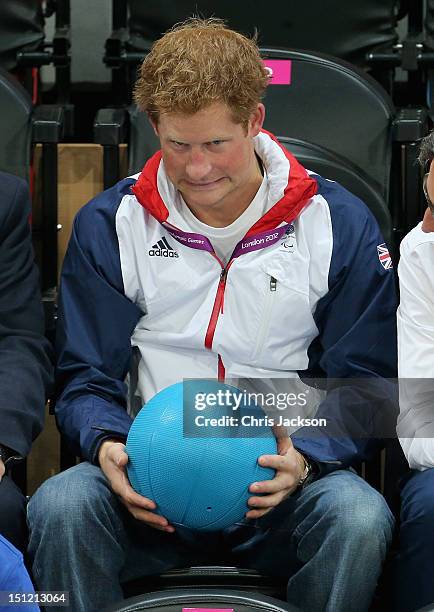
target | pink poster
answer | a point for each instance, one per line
(207, 610)
(280, 71)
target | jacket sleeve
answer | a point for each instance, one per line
(355, 350)
(25, 354)
(415, 355)
(96, 321)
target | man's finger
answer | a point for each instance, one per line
(276, 462)
(267, 501)
(126, 491)
(133, 498)
(118, 454)
(153, 520)
(255, 514)
(274, 485)
(122, 459)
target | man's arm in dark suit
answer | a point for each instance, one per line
(25, 354)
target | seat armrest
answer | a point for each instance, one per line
(111, 126)
(48, 123)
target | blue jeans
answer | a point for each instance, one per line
(330, 540)
(414, 563)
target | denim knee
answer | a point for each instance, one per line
(417, 501)
(68, 498)
(359, 512)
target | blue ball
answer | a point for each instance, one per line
(199, 482)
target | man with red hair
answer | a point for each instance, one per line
(224, 258)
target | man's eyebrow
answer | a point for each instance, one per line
(173, 139)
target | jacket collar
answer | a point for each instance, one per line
(291, 188)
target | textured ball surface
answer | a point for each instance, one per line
(199, 482)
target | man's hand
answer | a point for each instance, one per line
(290, 467)
(2, 469)
(113, 460)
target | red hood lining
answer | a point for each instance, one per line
(298, 191)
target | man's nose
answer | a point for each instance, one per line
(198, 166)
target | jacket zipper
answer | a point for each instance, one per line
(216, 311)
(270, 298)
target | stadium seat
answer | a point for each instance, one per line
(23, 48)
(22, 29)
(365, 33)
(339, 112)
(337, 168)
(176, 600)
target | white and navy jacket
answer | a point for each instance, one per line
(305, 291)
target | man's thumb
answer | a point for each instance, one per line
(122, 459)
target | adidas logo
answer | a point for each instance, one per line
(162, 249)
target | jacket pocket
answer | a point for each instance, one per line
(286, 327)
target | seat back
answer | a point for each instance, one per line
(330, 103)
(143, 142)
(361, 25)
(15, 126)
(175, 600)
(364, 29)
(314, 157)
(324, 102)
(429, 24)
(21, 29)
(334, 167)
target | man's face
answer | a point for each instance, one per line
(210, 159)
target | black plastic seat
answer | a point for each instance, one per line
(328, 103)
(336, 168)
(24, 48)
(332, 104)
(365, 34)
(361, 26)
(15, 126)
(175, 600)
(216, 576)
(21, 29)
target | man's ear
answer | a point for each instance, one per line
(154, 124)
(256, 120)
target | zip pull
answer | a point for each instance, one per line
(223, 276)
(273, 284)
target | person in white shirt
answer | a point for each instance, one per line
(415, 559)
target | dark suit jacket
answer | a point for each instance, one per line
(25, 354)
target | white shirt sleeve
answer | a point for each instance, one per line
(416, 348)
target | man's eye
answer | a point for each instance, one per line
(216, 142)
(178, 144)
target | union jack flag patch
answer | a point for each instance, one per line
(384, 256)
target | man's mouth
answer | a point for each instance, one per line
(203, 185)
